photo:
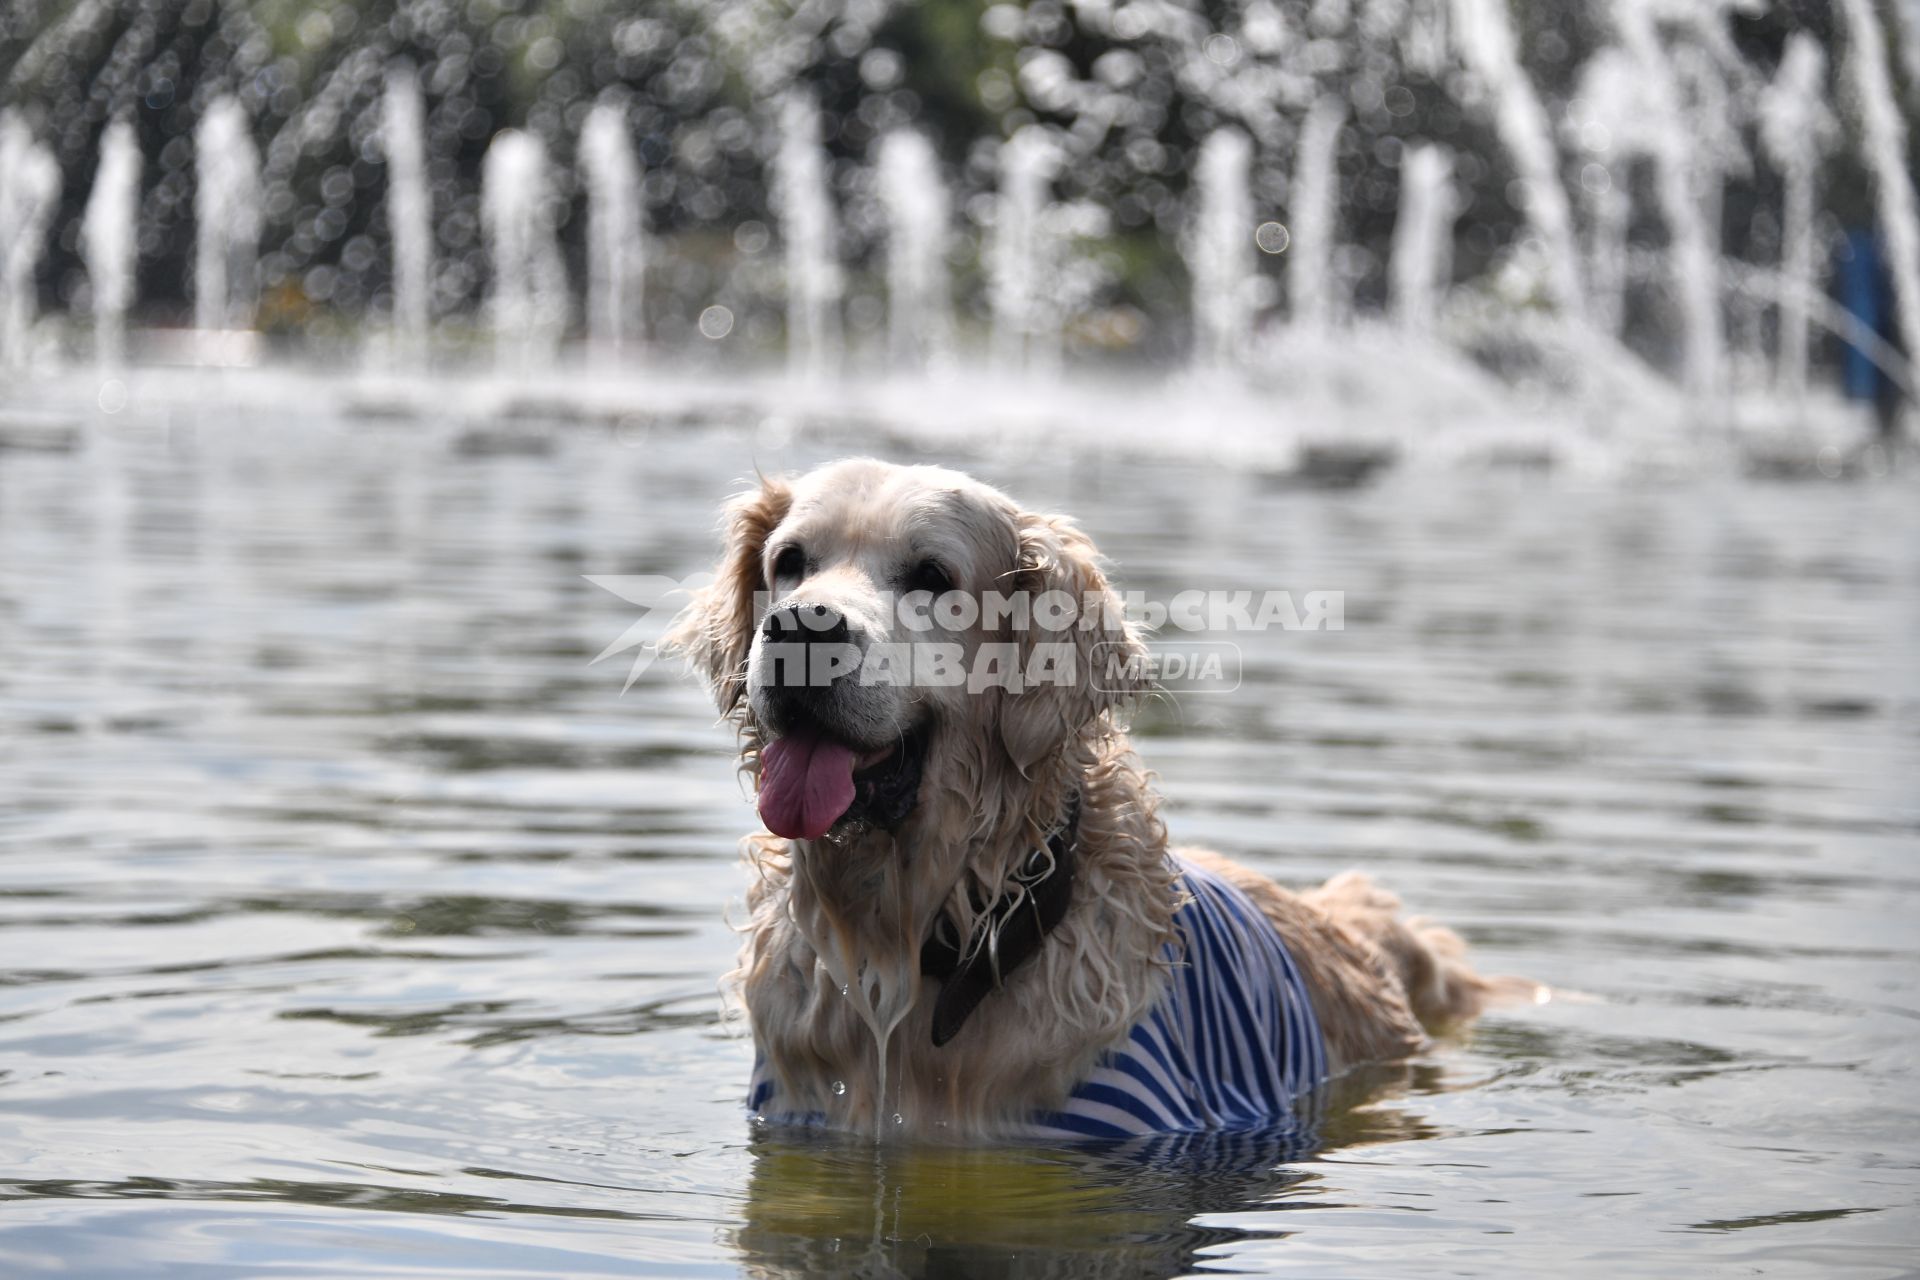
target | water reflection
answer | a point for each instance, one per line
(827, 1208)
(822, 1205)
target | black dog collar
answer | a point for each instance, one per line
(1004, 938)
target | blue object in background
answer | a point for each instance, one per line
(1863, 291)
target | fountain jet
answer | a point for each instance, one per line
(108, 240)
(1610, 209)
(29, 188)
(409, 210)
(1795, 128)
(1022, 257)
(1610, 122)
(226, 208)
(1220, 253)
(1484, 32)
(616, 233)
(1696, 267)
(1315, 205)
(1422, 265)
(804, 206)
(529, 280)
(915, 202)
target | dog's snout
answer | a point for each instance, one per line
(807, 624)
(806, 654)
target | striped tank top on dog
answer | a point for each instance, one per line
(1231, 1043)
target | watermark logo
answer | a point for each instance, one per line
(1199, 666)
(1050, 644)
(659, 598)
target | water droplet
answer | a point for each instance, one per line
(845, 988)
(839, 1088)
(898, 1118)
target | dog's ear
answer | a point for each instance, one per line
(1094, 663)
(715, 631)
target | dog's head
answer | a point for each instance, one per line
(879, 631)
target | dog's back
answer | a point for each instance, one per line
(1380, 980)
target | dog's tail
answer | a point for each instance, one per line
(1429, 959)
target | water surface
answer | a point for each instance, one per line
(353, 922)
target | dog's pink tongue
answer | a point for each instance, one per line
(806, 783)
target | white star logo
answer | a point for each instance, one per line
(659, 599)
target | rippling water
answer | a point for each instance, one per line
(353, 922)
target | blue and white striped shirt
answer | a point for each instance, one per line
(1230, 1044)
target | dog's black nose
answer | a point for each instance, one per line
(807, 624)
(806, 651)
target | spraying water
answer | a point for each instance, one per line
(915, 201)
(1696, 269)
(226, 208)
(1795, 128)
(107, 239)
(1713, 125)
(1610, 209)
(1485, 35)
(529, 280)
(1315, 205)
(409, 209)
(1422, 265)
(804, 206)
(616, 234)
(1220, 253)
(1484, 31)
(29, 188)
(1674, 97)
(1610, 121)
(1023, 257)
(1883, 143)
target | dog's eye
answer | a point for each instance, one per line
(790, 563)
(928, 576)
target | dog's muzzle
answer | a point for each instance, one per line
(806, 650)
(834, 752)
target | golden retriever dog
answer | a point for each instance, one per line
(967, 921)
